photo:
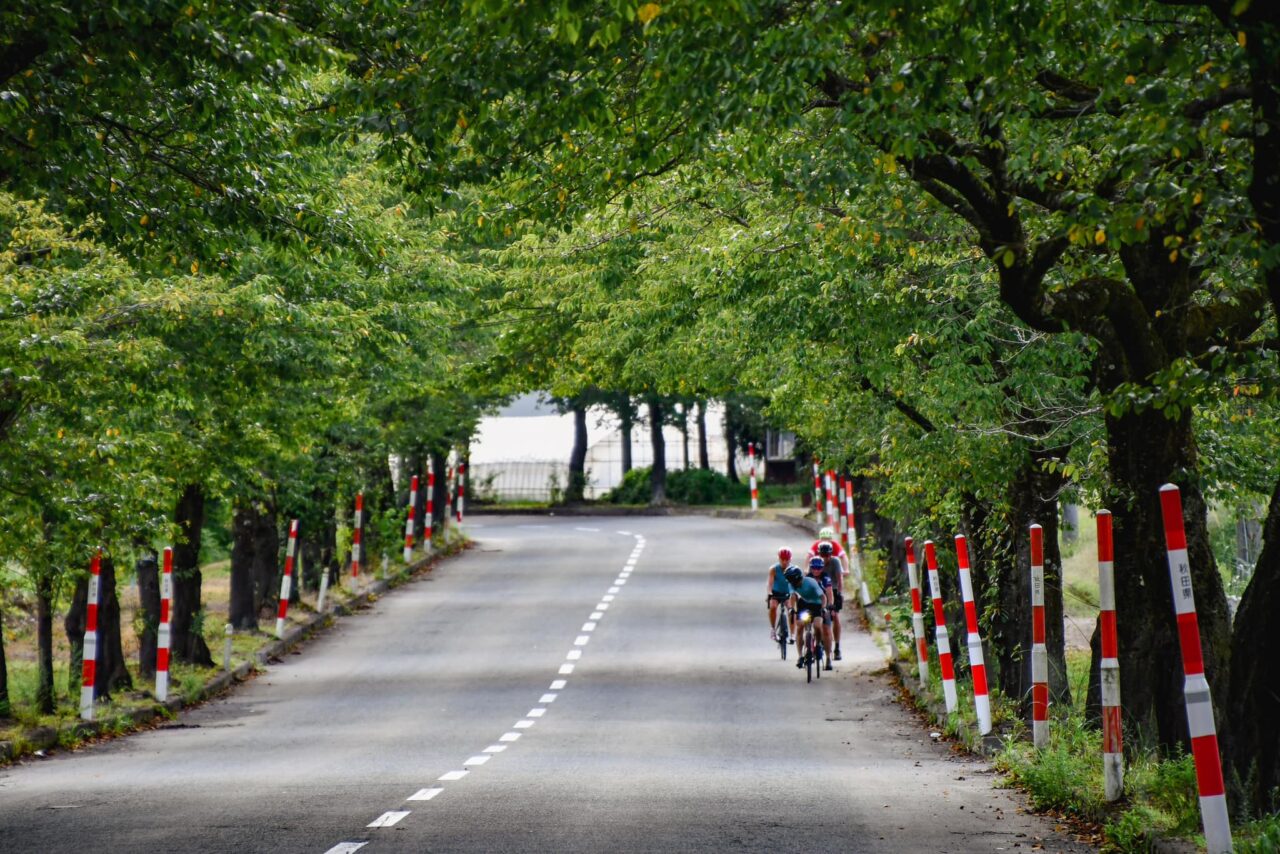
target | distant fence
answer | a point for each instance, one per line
(519, 480)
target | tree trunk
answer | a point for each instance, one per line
(45, 691)
(266, 562)
(148, 572)
(252, 533)
(658, 474)
(5, 710)
(440, 496)
(731, 445)
(684, 433)
(1147, 450)
(112, 672)
(186, 629)
(626, 422)
(1251, 739)
(1033, 498)
(73, 625)
(704, 460)
(575, 491)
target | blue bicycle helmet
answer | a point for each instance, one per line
(816, 562)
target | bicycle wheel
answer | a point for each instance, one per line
(782, 632)
(818, 653)
(808, 655)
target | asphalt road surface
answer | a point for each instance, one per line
(570, 684)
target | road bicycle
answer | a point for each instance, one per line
(781, 631)
(810, 646)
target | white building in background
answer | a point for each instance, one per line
(522, 453)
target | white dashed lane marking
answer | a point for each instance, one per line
(391, 817)
(425, 794)
(388, 818)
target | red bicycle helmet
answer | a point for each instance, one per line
(784, 555)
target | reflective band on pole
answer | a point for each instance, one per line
(917, 617)
(977, 664)
(163, 634)
(429, 519)
(408, 523)
(462, 489)
(817, 492)
(755, 496)
(355, 536)
(286, 580)
(1112, 745)
(1039, 653)
(1200, 722)
(940, 628)
(89, 656)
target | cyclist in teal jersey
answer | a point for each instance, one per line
(811, 595)
(779, 591)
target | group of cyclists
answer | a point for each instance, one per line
(819, 593)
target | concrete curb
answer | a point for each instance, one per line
(45, 738)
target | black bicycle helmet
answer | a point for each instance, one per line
(794, 576)
(825, 548)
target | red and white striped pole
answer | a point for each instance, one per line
(842, 521)
(1200, 722)
(940, 628)
(917, 616)
(429, 519)
(286, 580)
(831, 497)
(462, 489)
(977, 663)
(408, 523)
(1112, 743)
(755, 496)
(855, 553)
(356, 554)
(163, 636)
(89, 657)
(817, 492)
(1039, 652)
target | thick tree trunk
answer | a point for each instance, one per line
(148, 572)
(1147, 450)
(1251, 739)
(1033, 498)
(266, 563)
(112, 672)
(187, 642)
(73, 625)
(658, 473)
(626, 424)
(440, 496)
(254, 542)
(575, 491)
(704, 460)
(45, 691)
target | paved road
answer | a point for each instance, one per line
(568, 685)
